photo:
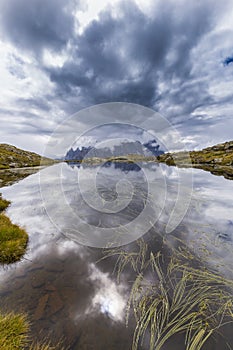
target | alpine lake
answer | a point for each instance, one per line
(78, 288)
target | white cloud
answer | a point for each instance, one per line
(109, 298)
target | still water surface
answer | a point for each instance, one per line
(60, 284)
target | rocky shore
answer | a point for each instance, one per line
(217, 159)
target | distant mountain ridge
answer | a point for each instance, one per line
(123, 149)
(217, 159)
(13, 157)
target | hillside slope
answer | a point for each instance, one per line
(13, 157)
(217, 159)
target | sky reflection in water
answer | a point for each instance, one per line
(59, 282)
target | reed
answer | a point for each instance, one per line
(173, 297)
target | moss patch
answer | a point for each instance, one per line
(13, 239)
(3, 203)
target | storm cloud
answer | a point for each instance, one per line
(126, 58)
(38, 24)
(169, 59)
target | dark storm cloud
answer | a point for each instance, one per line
(125, 55)
(37, 24)
(116, 58)
(124, 58)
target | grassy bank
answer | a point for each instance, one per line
(3, 203)
(13, 239)
(13, 157)
(217, 159)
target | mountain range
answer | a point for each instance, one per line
(150, 148)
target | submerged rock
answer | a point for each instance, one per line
(40, 310)
(55, 303)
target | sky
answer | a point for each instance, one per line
(60, 56)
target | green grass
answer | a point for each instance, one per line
(217, 159)
(45, 346)
(3, 203)
(13, 157)
(15, 334)
(13, 331)
(215, 155)
(13, 239)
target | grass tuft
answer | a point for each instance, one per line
(13, 331)
(3, 203)
(15, 334)
(13, 239)
(45, 346)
